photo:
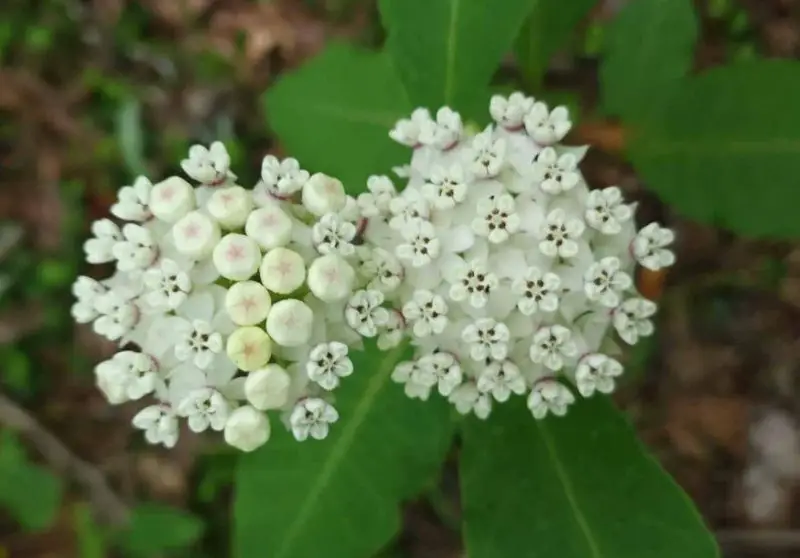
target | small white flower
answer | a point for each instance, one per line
(333, 235)
(392, 333)
(249, 348)
(138, 249)
(133, 201)
(195, 235)
(171, 199)
(546, 127)
(376, 201)
(159, 423)
(501, 379)
(407, 131)
(549, 396)
(247, 429)
(247, 303)
(204, 408)
(426, 312)
(407, 208)
(486, 155)
(312, 417)
(331, 278)
(237, 257)
(473, 282)
(210, 166)
(290, 322)
(605, 210)
(323, 194)
(282, 270)
(443, 370)
(269, 226)
(420, 245)
(497, 218)
(230, 206)
(268, 387)
(118, 315)
(596, 372)
(604, 282)
(487, 338)
(560, 234)
(385, 272)
(445, 132)
(127, 376)
(468, 399)
(100, 249)
(279, 179)
(632, 319)
(328, 363)
(537, 291)
(552, 345)
(555, 174)
(408, 373)
(198, 343)
(167, 285)
(510, 112)
(649, 247)
(445, 187)
(365, 314)
(86, 290)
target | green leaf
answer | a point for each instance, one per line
(340, 496)
(649, 50)
(154, 529)
(581, 486)
(334, 114)
(549, 26)
(89, 537)
(727, 149)
(447, 50)
(31, 494)
(129, 136)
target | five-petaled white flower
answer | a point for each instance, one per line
(497, 218)
(632, 319)
(486, 155)
(407, 131)
(443, 133)
(442, 370)
(210, 166)
(203, 408)
(501, 379)
(649, 247)
(420, 244)
(413, 377)
(596, 372)
(552, 345)
(604, 282)
(537, 291)
(553, 173)
(407, 208)
(487, 338)
(560, 233)
(471, 281)
(549, 396)
(160, 425)
(327, 363)
(446, 187)
(467, 398)
(375, 201)
(364, 312)
(333, 235)
(279, 179)
(167, 285)
(137, 250)
(312, 417)
(510, 112)
(100, 248)
(133, 201)
(547, 127)
(426, 312)
(606, 211)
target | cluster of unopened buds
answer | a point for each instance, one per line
(507, 274)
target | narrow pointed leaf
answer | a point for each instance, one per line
(334, 114)
(341, 496)
(727, 149)
(447, 50)
(581, 486)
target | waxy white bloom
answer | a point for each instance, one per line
(560, 235)
(247, 303)
(552, 346)
(268, 387)
(472, 282)
(467, 398)
(282, 270)
(649, 247)
(605, 210)
(247, 429)
(364, 312)
(486, 338)
(407, 208)
(442, 370)
(237, 257)
(312, 417)
(171, 199)
(269, 226)
(117, 315)
(553, 173)
(133, 201)
(547, 127)
(210, 166)
(196, 235)
(501, 379)
(444, 132)
(446, 187)
(420, 244)
(137, 250)
(290, 322)
(205, 408)
(596, 372)
(487, 155)
(632, 319)
(160, 425)
(333, 235)
(327, 363)
(604, 282)
(100, 248)
(331, 278)
(413, 378)
(127, 376)
(376, 200)
(323, 194)
(383, 269)
(391, 334)
(408, 131)
(167, 283)
(279, 179)
(510, 112)
(230, 206)
(87, 291)
(549, 396)
(497, 218)
(426, 313)
(537, 291)
(249, 348)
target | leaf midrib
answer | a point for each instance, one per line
(338, 451)
(450, 53)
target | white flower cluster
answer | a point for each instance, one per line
(508, 273)
(230, 302)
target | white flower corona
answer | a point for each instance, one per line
(514, 276)
(233, 302)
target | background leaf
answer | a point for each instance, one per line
(154, 529)
(447, 50)
(334, 114)
(549, 26)
(649, 49)
(340, 496)
(727, 149)
(580, 486)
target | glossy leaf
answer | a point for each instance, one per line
(581, 486)
(340, 496)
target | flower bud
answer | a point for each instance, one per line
(195, 235)
(171, 199)
(230, 206)
(268, 387)
(269, 226)
(237, 257)
(323, 194)
(289, 323)
(331, 278)
(249, 348)
(282, 270)
(247, 303)
(247, 429)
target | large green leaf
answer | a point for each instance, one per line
(649, 50)
(340, 496)
(155, 529)
(581, 486)
(334, 114)
(447, 50)
(727, 149)
(548, 27)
